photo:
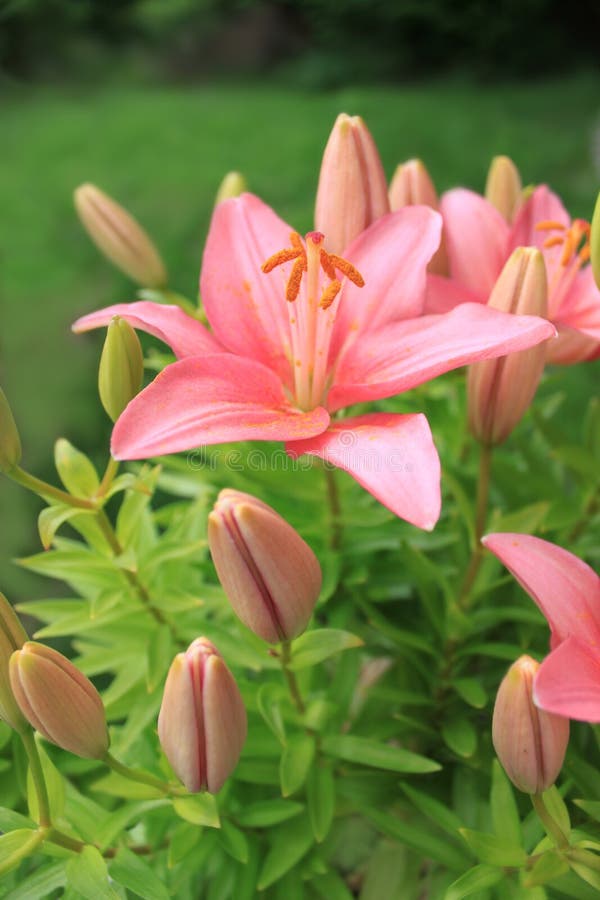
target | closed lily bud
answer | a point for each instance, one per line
(530, 743)
(503, 187)
(12, 637)
(119, 237)
(232, 185)
(499, 391)
(270, 575)
(202, 720)
(412, 186)
(58, 700)
(595, 242)
(352, 191)
(121, 367)
(10, 442)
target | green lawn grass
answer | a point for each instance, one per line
(162, 153)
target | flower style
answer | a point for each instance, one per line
(295, 338)
(479, 240)
(567, 592)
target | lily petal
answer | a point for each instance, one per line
(210, 400)
(246, 308)
(443, 295)
(391, 456)
(185, 335)
(409, 353)
(542, 206)
(568, 681)
(580, 308)
(566, 589)
(392, 256)
(477, 238)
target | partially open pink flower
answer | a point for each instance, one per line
(568, 593)
(479, 240)
(304, 339)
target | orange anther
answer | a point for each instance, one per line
(282, 256)
(326, 264)
(330, 293)
(550, 225)
(554, 240)
(584, 254)
(296, 241)
(292, 288)
(347, 268)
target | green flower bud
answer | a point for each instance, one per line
(503, 187)
(232, 185)
(12, 637)
(58, 701)
(121, 367)
(119, 237)
(10, 442)
(595, 242)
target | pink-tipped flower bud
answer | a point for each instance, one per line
(352, 191)
(500, 390)
(202, 720)
(270, 575)
(595, 242)
(503, 187)
(58, 700)
(12, 637)
(412, 185)
(530, 743)
(119, 237)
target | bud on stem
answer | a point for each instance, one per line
(119, 237)
(121, 367)
(499, 391)
(503, 187)
(530, 743)
(232, 185)
(12, 637)
(10, 442)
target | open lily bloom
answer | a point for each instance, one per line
(479, 240)
(568, 593)
(296, 337)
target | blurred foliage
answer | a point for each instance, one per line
(316, 42)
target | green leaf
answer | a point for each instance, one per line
(382, 756)
(296, 761)
(440, 813)
(320, 791)
(331, 887)
(52, 517)
(88, 875)
(10, 820)
(268, 812)
(471, 691)
(201, 809)
(585, 865)
(460, 736)
(184, 840)
(315, 646)
(118, 786)
(41, 883)
(77, 472)
(557, 808)
(494, 850)
(268, 701)
(549, 866)
(160, 653)
(476, 879)
(291, 842)
(55, 787)
(137, 876)
(526, 520)
(234, 842)
(591, 807)
(245, 884)
(505, 814)
(419, 839)
(16, 845)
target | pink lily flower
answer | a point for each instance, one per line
(567, 592)
(479, 240)
(295, 338)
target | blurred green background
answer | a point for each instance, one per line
(155, 105)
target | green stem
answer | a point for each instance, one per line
(290, 677)
(335, 508)
(37, 774)
(64, 840)
(144, 777)
(109, 476)
(549, 823)
(584, 858)
(481, 509)
(45, 490)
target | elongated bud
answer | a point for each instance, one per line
(595, 242)
(412, 186)
(499, 391)
(352, 191)
(58, 701)
(530, 743)
(119, 237)
(121, 367)
(503, 187)
(232, 185)
(270, 575)
(10, 442)
(202, 720)
(12, 637)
